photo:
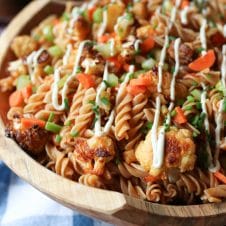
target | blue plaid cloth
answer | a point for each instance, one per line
(22, 205)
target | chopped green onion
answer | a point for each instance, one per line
(199, 50)
(58, 138)
(137, 73)
(172, 38)
(51, 117)
(196, 94)
(173, 113)
(190, 99)
(180, 102)
(148, 64)
(105, 101)
(66, 104)
(199, 106)
(67, 123)
(146, 127)
(48, 33)
(74, 133)
(188, 108)
(112, 80)
(172, 69)
(79, 70)
(55, 51)
(224, 105)
(98, 15)
(52, 127)
(195, 134)
(23, 81)
(48, 69)
(65, 16)
(62, 81)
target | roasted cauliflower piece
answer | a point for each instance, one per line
(23, 45)
(179, 152)
(32, 140)
(94, 153)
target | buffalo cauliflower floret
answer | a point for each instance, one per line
(179, 152)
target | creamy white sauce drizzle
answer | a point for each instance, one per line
(204, 110)
(57, 106)
(67, 54)
(202, 34)
(112, 46)
(137, 45)
(124, 83)
(177, 67)
(154, 138)
(223, 66)
(158, 142)
(32, 62)
(161, 63)
(103, 26)
(109, 122)
(183, 14)
(224, 30)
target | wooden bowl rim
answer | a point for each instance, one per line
(17, 155)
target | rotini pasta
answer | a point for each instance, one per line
(128, 96)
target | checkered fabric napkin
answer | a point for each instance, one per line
(22, 205)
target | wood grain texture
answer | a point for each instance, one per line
(110, 206)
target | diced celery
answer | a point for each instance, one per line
(62, 81)
(196, 94)
(112, 80)
(148, 64)
(52, 127)
(48, 33)
(55, 51)
(23, 81)
(98, 15)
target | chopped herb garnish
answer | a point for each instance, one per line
(224, 105)
(52, 127)
(172, 69)
(166, 126)
(180, 102)
(95, 107)
(66, 104)
(58, 138)
(199, 106)
(68, 123)
(190, 99)
(145, 128)
(188, 108)
(195, 134)
(48, 69)
(105, 101)
(172, 38)
(79, 70)
(173, 113)
(74, 133)
(199, 50)
(51, 117)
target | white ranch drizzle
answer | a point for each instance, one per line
(202, 34)
(109, 122)
(112, 46)
(177, 67)
(124, 83)
(184, 13)
(136, 45)
(161, 63)
(67, 54)
(57, 106)
(224, 30)
(32, 62)
(103, 24)
(158, 142)
(219, 115)
(101, 88)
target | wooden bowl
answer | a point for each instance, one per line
(106, 205)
